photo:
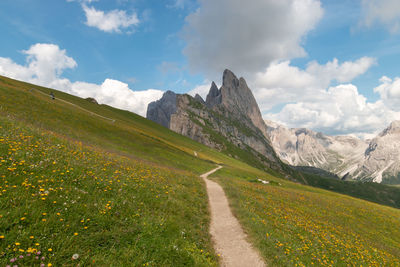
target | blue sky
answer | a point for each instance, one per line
(99, 54)
(327, 65)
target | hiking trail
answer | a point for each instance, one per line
(227, 234)
(90, 112)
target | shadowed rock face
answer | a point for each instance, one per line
(160, 111)
(238, 99)
(230, 112)
(214, 96)
(198, 98)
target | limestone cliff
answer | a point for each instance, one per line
(229, 120)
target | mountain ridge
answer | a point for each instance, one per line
(229, 120)
(348, 157)
(230, 115)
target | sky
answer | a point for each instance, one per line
(330, 66)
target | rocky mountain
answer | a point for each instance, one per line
(229, 120)
(349, 157)
(382, 157)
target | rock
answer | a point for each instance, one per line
(198, 98)
(92, 100)
(214, 96)
(382, 158)
(160, 111)
(238, 99)
(348, 157)
(230, 115)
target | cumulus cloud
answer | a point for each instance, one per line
(389, 91)
(308, 99)
(117, 94)
(112, 21)
(344, 72)
(223, 34)
(305, 97)
(281, 82)
(340, 110)
(45, 64)
(384, 12)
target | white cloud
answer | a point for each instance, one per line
(307, 98)
(385, 12)
(225, 34)
(344, 72)
(45, 65)
(389, 91)
(340, 110)
(112, 21)
(281, 82)
(117, 94)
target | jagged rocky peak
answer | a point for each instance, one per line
(214, 96)
(238, 99)
(160, 111)
(393, 128)
(198, 98)
(229, 79)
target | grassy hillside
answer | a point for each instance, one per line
(61, 198)
(296, 226)
(128, 134)
(119, 191)
(125, 191)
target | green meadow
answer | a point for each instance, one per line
(77, 188)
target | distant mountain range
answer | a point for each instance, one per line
(230, 120)
(350, 158)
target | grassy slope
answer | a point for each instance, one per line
(378, 193)
(297, 226)
(146, 160)
(62, 198)
(141, 153)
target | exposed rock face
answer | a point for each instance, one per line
(214, 96)
(230, 115)
(160, 111)
(92, 100)
(198, 98)
(350, 158)
(382, 158)
(238, 99)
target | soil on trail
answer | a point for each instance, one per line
(227, 234)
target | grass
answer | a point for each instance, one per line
(294, 225)
(127, 193)
(61, 199)
(378, 193)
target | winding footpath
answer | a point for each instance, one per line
(72, 104)
(227, 234)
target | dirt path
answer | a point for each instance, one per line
(228, 236)
(88, 111)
